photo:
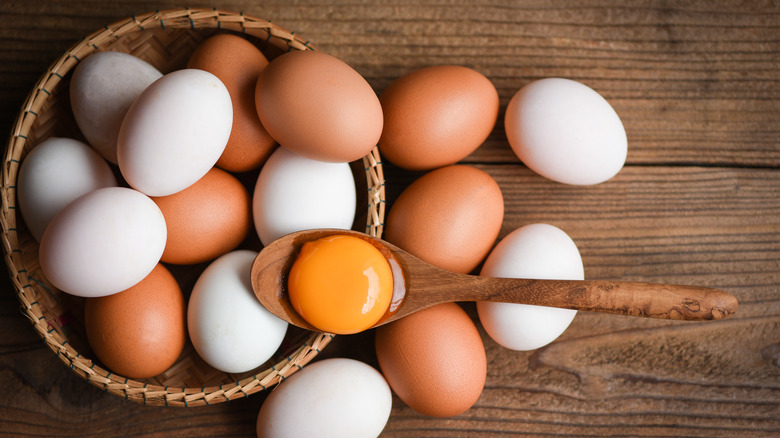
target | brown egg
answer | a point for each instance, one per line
(141, 331)
(450, 217)
(237, 63)
(318, 107)
(436, 116)
(434, 360)
(205, 220)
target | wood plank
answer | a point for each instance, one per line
(627, 381)
(697, 85)
(684, 78)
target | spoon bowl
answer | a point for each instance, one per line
(419, 285)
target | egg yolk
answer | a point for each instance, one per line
(340, 284)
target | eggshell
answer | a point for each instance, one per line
(318, 107)
(436, 116)
(103, 242)
(53, 174)
(237, 63)
(449, 217)
(566, 131)
(335, 397)
(228, 326)
(174, 132)
(434, 360)
(294, 193)
(139, 332)
(102, 88)
(207, 219)
(538, 251)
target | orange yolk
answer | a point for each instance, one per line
(340, 284)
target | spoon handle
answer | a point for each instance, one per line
(625, 298)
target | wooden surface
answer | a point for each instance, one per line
(697, 85)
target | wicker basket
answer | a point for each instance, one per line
(165, 39)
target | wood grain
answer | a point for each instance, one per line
(697, 85)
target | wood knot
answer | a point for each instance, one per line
(718, 313)
(606, 287)
(691, 305)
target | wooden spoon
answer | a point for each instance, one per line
(419, 285)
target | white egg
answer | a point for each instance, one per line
(174, 132)
(566, 131)
(103, 87)
(538, 251)
(228, 326)
(103, 242)
(337, 397)
(294, 193)
(53, 174)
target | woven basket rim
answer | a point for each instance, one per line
(139, 391)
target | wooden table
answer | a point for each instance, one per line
(697, 85)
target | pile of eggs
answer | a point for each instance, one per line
(165, 178)
(171, 196)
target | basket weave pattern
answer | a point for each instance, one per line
(165, 39)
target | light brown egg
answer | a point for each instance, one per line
(141, 331)
(436, 116)
(237, 63)
(434, 360)
(450, 217)
(205, 220)
(318, 107)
